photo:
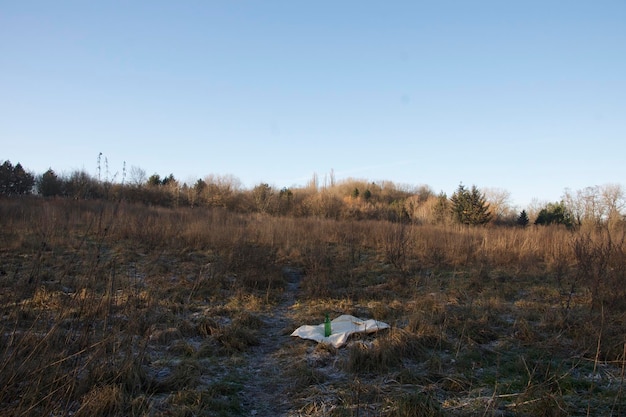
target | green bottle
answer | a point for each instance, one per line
(327, 329)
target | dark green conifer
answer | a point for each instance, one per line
(470, 206)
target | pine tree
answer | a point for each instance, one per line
(470, 206)
(522, 219)
(154, 180)
(50, 184)
(6, 172)
(22, 181)
(555, 213)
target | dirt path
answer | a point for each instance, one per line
(265, 393)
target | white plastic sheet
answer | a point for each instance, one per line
(341, 328)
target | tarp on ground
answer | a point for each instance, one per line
(341, 328)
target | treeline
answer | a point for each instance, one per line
(349, 199)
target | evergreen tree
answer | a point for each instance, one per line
(50, 184)
(522, 219)
(6, 171)
(21, 181)
(154, 180)
(14, 180)
(169, 180)
(555, 213)
(470, 206)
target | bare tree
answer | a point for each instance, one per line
(574, 205)
(221, 191)
(596, 204)
(263, 196)
(499, 201)
(614, 199)
(137, 176)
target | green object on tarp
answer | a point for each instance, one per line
(342, 327)
(327, 326)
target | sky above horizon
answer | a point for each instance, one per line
(527, 97)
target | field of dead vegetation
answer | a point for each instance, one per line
(116, 309)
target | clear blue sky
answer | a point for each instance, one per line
(525, 96)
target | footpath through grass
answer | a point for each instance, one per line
(109, 309)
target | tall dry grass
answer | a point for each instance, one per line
(92, 292)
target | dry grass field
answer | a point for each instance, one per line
(117, 309)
